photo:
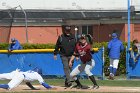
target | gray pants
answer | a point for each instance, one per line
(67, 69)
(83, 67)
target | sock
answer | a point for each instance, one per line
(111, 69)
(5, 86)
(114, 71)
(30, 85)
(46, 85)
(93, 80)
(78, 82)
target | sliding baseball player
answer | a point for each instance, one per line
(18, 76)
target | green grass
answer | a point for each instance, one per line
(124, 83)
(60, 82)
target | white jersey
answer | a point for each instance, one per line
(31, 76)
(18, 76)
(28, 76)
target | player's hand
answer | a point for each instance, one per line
(9, 50)
(77, 58)
(55, 57)
(70, 64)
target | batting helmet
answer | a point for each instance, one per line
(39, 71)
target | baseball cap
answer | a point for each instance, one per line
(13, 39)
(114, 35)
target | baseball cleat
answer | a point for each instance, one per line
(82, 87)
(95, 87)
(111, 77)
(70, 87)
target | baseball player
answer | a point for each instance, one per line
(9, 76)
(83, 51)
(14, 45)
(114, 48)
(18, 76)
(135, 52)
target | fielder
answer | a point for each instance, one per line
(114, 48)
(83, 51)
(18, 76)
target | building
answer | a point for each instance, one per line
(44, 21)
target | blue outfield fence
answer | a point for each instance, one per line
(133, 68)
(42, 59)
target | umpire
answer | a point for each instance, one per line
(66, 43)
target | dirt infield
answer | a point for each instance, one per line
(24, 88)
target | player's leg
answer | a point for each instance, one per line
(77, 70)
(74, 73)
(7, 76)
(30, 85)
(17, 79)
(111, 69)
(88, 68)
(67, 70)
(4, 86)
(115, 66)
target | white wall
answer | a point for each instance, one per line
(69, 4)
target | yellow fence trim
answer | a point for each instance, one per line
(34, 50)
(28, 50)
(95, 49)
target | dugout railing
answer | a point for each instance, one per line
(43, 58)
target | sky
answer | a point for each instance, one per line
(68, 4)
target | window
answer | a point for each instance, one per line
(87, 30)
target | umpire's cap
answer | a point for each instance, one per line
(67, 28)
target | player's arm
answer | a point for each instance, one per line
(30, 85)
(71, 59)
(41, 81)
(57, 46)
(10, 48)
(46, 85)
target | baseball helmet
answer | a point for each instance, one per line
(82, 36)
(38, 70)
